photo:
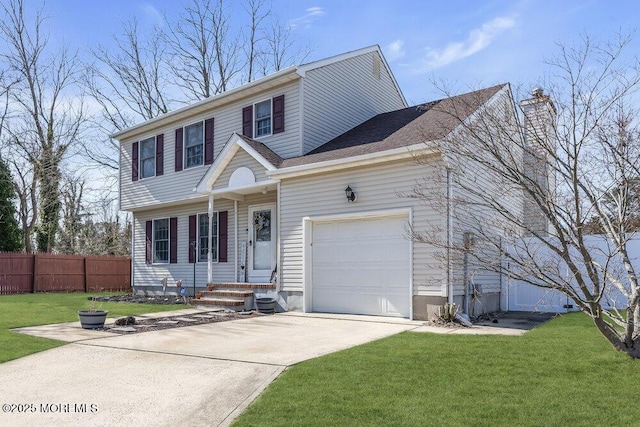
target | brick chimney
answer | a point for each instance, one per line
(539, 116)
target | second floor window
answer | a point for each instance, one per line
(194, 144)
(263, 118)
(148, 157)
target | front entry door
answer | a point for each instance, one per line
(262, 242)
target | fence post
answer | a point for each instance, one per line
(34, 286)
(86, 278)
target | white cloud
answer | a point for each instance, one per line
(153, 13)
(479, 38)
(395, 50)
(312, 14)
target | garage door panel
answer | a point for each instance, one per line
(361, 266)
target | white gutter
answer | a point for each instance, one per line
(133, 251)
(361, 160)
(214, 101)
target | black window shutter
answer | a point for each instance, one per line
(247, 121)
(178, 161)
(278, 114)
(208, 141)
(134, 162)
(192, 237)
(159, 154)
(173, 240)
(148, 247)
(223, 236)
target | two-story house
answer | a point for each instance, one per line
(290, 187)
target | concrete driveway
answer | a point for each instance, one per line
(201, 375)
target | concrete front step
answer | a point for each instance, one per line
(240, 285)
(221, 303)
(230, 295)
(222, 293)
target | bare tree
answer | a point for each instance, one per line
(252, 46)
(46, 120)
(131, 83)
(280, 48)
(204, 50)
(577, 158)
(73, 215)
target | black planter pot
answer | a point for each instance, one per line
(266, 305)
(92, 319)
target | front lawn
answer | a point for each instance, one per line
(562, 373)
(41, 309)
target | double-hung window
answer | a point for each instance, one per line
(194, 144)
(161, 240)
(148, 157)
(263, 118)
(203, 237)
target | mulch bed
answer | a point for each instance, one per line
(141, 299)
(156, 324)
(147, 325)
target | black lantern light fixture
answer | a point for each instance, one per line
(351, 195)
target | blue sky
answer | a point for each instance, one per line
(465, 43)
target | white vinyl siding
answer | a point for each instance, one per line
(378, 188)
(174, 187)
(146, 275)
(471, 214)
(340, 96)
(241, 159)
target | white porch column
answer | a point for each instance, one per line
(210, 252)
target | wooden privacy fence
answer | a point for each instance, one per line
(30, 273)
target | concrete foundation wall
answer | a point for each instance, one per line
(426, 307)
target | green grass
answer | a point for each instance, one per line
(41, 309)
(563, 373)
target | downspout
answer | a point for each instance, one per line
(235, 245)
(210, 252)
(449, 237)
(278, 261)
(133, 251)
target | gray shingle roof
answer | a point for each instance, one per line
(397, 129)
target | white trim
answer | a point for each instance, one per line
(133, 251)
(250, 274)
(234, 143)
(235, 232)
(361, 160)
(307, 249)
(303, 69)
(280, 77)
(245, 189)
(209, 253)
(301, 118)
(278, 246)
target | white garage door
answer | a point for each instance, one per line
(361, 266)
